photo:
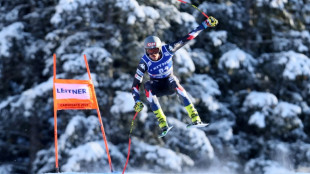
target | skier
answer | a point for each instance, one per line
(157, 61)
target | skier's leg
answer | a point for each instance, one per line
(155, 106)
(192, 112)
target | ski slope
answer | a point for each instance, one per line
(162, 173)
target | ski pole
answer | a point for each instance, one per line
(194, 7)
(131, 128)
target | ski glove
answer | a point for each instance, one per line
(138, 106)
(210, 22)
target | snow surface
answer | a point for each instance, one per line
(270, 170)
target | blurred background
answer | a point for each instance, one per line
(248, 77)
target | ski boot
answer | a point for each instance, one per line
(193, 114)
(162, 122)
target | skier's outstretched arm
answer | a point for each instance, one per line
(210, 22)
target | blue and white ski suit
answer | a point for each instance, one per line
(162, 81)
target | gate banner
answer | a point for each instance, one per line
(74, 94)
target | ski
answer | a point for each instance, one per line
(164, 133)
(191, 125)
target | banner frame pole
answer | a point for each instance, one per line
(55, 117)
(99, 116)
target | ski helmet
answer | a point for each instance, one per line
(152, 42)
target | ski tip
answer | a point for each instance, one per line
(165, 133)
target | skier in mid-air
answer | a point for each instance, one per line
(157, 61)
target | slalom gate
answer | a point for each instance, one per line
(70, 94)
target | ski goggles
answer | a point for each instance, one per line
(151, 51)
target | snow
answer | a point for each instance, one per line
(201, 58)
(187, 18)
(277, 169)
(285, 109)
(206, 82)
(288, 111)
(292, 40)
(279, 4)
(193, 140)
(68, 6)
(236, 59)
(183, 18)
(260, 100)
(160, 156)
(98, 53)
(15, 30)
(269, 170)
(151, 12)
(6, 102)
(80, 142)
(224, 129)
(91, 151)
(205, 88)
(27, 98)
(12, 15)
(183, 59)
(296, 64)
(75, 124)
(257, 119)
(136, 11)
(123, 82)
(71, 40)
(123, 103)
(267, 167)
(74, 62)
(6, 168)
(305, 35)
(143, 172)
(211, 102)
(218, 37)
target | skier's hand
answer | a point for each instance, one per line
(138, 106)
(210, 22)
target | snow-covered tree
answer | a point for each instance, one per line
(248, 77)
